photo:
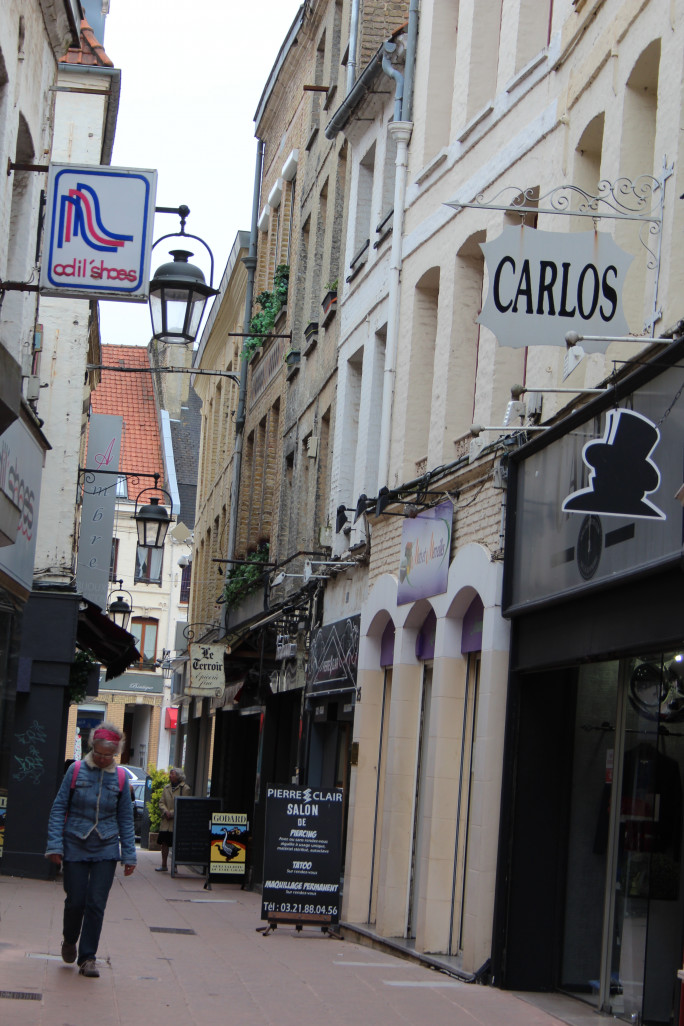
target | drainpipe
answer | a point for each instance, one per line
(410, 65)
(387, 49)
(250, 263)
(353, 44)
(400, 129)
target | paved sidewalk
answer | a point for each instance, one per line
(219, 969)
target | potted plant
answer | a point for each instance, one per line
(329, 303)
(160, 779)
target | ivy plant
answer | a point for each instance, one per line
(245, 578)
(271, 304)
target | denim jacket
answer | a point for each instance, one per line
(100, 815)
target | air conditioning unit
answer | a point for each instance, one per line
(312, 446)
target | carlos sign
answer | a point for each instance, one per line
(544, 284)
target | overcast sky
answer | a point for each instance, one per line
(192, 74)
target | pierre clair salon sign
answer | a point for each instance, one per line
(544, 284)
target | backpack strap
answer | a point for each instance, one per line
(76, 768)
(121, 773)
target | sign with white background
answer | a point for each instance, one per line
(98, 236)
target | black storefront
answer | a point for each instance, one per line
(590, 896)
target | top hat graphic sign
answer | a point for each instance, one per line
(621, 471)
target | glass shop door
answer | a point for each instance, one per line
(624, 907)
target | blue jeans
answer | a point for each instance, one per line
(87, 886)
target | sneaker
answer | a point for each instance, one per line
(161, 869)
(88, 968)
(68, 952)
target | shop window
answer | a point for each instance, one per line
(148, 565)
(144, 630)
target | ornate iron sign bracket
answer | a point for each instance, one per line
(642, 199)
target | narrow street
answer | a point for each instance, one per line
(175, 954)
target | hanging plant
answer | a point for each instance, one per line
(81, 667)
(245, 578)
(271, 304)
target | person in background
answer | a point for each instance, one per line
(176, 788)
(89, 831)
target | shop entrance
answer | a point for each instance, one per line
(622, 934)
(594, 902)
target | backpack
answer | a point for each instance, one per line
(120, 772)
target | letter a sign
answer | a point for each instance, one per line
(544, 284)
(98, 232)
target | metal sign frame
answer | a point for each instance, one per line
(641, 199)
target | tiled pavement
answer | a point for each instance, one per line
(222, 969)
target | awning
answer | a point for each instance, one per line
(170, 718)
(110, 644)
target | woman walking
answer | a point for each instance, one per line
(90, 829)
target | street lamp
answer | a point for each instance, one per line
(178, 290)
(118, 610)
(165, 665)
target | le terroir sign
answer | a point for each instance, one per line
(544, 284)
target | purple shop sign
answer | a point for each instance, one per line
(425, 553)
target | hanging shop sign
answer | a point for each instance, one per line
(302, 855)
(544, 284)
(334, 656)
(98, 232)
(425, 553)
(21, 468)
(228, 851)
(207, 674)
(97, 509)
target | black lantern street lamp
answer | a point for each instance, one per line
(178, 290)
(152, 522)
(178, 295)
(166, 667)
(118, 610)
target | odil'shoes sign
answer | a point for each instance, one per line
(98, 236)
(544, 284)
